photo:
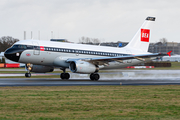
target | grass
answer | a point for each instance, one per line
(90, 102)
(175, 65)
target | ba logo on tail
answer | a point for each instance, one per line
(145, 33)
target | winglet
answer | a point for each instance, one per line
(169, 53)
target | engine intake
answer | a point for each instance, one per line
(83, 67)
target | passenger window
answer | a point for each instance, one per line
(36, 47)
(29, 47)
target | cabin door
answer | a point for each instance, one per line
(36, 48)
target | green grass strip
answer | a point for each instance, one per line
(90, 102)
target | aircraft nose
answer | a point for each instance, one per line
(12, 55)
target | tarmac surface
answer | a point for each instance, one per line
(115, 77)
(82, 82)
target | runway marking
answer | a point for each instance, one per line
(6, 75)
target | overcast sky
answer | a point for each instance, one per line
(107, 20)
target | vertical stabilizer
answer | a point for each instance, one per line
(141, 39)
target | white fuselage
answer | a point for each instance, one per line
(56, 54)
(42, 56)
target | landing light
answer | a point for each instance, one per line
(17, 54)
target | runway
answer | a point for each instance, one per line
(83, 82)
(117, 77)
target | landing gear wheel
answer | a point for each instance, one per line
(27, 74)
(65, 76)
(94, 76)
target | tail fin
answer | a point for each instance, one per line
(169, 53)
(141, 39)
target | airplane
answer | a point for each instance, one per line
(44, 56)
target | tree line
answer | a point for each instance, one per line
(87, 40)
(6, 42)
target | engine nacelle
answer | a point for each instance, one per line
(41, 69)
(83, 67)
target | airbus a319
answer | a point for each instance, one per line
(43, 56)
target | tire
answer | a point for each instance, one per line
(92, 76)
(96, 77)
(62, 76)
(27, 74)
(65, 76)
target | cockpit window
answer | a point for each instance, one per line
(20, 46)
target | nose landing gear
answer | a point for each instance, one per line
(27, 74)
(29, 68)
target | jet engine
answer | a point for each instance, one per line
(83, 67)
(40, 68)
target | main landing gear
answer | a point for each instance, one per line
(64, 75)
(29, 67)
(94, 76)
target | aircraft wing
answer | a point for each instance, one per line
(102, 60)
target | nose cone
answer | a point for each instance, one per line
(12, 54)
